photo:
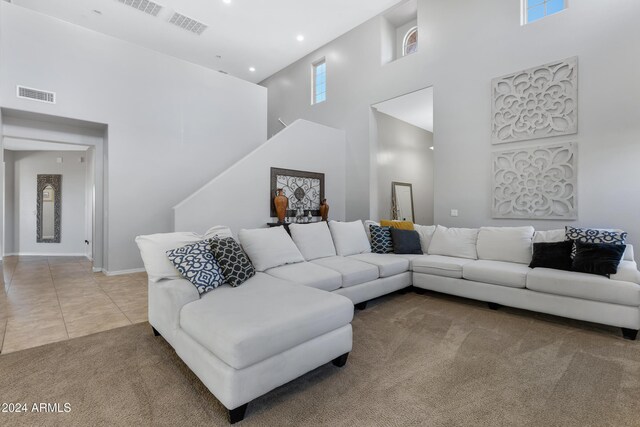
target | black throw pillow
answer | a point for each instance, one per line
(406, 241)
(555, 255)
(597, 258)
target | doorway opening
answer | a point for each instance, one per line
(53, 192)
(402, 159)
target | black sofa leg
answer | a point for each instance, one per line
(629, 334)
(237, 414)
(493, 305)
(361, 306)
(155, 332)
(340, 361)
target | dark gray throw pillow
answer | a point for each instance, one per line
(406, 241)
(556, 255)
(597, 258)
(235, 264)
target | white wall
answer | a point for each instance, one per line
(172, 125)
(404, 155)
(26, 166)
(241, 196)
(462, 46)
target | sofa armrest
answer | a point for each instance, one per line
(166, 299)
(627, 272)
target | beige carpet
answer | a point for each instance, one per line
(417, 360)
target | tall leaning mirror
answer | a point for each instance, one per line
(402, 201)
(49, 208)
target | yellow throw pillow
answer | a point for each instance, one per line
(401, 225)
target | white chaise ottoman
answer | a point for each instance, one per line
(243, 342)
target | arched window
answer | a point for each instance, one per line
(410, 43)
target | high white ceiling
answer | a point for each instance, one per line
(244, 33)
(415, 108)
(20, 144)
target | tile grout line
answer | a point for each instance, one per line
(58, 298)
(111, 299)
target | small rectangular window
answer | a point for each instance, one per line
(319, 82)
(533, 10)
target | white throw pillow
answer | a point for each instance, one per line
(269, 247)
(154, 247)
(349, 238)
(426, 234)
(313, 240)
(511, 244)
(549, 236)
(455, 242)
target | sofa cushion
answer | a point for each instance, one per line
(549, 236)
(496, 273)
(353, 272)
(154, 247)
(269, 247)
(510, 244)
(426, 234)
(196, 263)
(454, 242)
(245, 325)
(406, 241)
(597, 258)
(439, 265)
(381, 241)
(627, 272)
(308, 274)
(388, 264)
(313, 240)
(235, 264)
(583, 285)
(349, 238)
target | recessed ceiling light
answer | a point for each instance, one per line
(227, 1)
(300, 37)
(252, 69)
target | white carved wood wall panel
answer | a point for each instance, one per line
(537, 182)
(536, 103)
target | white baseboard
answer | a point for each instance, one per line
(84, 255)
(120, 272)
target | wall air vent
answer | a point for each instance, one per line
(187, 23)
(145, 6)
(36, 94)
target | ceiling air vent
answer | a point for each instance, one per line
(187, 23)
(36, 94)
(145, 6)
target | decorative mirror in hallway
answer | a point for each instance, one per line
(402, 201)
(49, 208)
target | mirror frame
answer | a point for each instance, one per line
(394, 203)
(54, 181)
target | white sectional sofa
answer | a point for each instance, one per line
(295, 313)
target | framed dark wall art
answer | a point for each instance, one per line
(303, 189)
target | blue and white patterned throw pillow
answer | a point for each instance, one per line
(197, 264)
(381, 242)
(594, 235)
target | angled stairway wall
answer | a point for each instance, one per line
(240, 196)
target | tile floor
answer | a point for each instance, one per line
(49, 299)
